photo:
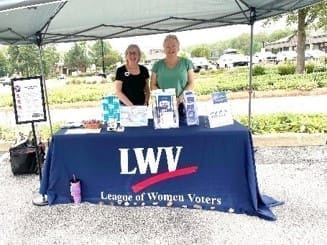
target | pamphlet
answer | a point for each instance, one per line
(133, 116)
(111, 110)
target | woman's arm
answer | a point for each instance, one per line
(122, 97)
(147, 92)
(153, 83)
(190, 80)
(189, 85)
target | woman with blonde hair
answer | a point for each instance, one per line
(173, 71)
(132, 79)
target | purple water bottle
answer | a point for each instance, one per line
(75, 190)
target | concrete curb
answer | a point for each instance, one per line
(285, 139)
(289, 139)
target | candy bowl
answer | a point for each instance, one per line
(91, 124)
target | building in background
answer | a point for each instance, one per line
(313, 42)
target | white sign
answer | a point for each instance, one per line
(28, 100)
(220, 111)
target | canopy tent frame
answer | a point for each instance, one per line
(176, 16)
(48, 23)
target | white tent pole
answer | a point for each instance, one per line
(39, 44)
(252, 20)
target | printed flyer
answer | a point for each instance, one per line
(134, 116)
(28, 100)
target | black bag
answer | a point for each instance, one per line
(23, 158)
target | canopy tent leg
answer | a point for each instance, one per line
(250, 90)
(39, 44)
(39, 200)
(42, 200)
(102, 54)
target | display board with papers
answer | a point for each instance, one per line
(28, 99)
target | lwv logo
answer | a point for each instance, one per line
(149, 159)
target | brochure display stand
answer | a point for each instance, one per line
(29, 107)
(164, 108)
(190, 108)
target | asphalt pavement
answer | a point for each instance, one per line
(295, 175)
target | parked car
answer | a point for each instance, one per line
(5, 81)
(200, 63)
(264, 57)
(232, 58)
(316, 53)
(286, 56)
(61, 76)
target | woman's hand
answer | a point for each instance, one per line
(180, 99)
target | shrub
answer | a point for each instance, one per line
(287, 123)
(286, 69)
(258, 70)
(309, 68)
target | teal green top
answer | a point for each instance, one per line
(172, 77)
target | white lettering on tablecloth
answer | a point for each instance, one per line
(161, 197)
(204, 200)
(150, 160)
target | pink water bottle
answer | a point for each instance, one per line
(75, 190)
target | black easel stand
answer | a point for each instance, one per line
(40, 200)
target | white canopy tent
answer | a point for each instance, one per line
(77, 20)
(43, 22)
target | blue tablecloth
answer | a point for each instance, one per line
(193, 167)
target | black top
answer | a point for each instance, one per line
(133, 85)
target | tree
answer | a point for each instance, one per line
(24, 59)
(309, 17)
(201, 52)
(50, 60)
(76, 57)
(3, 65)
(110, 56)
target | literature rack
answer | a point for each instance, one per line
(164, 108)
(190, 108)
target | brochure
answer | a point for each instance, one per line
(133, 116)
(191, 111)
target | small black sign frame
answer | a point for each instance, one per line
(28, 98)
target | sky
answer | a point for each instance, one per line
(187, 38)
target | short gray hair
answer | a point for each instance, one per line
(171, 37)
(132, 46)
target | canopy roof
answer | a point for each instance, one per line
(42, 22)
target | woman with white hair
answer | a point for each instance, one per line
(132, 79)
